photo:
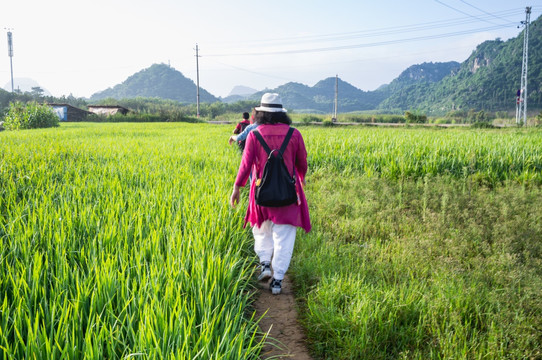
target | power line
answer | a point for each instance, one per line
(251, 71)
(425, 27)
(462, 12)
(382, 31)
(366, 34)
(365, 45)
(483, 11)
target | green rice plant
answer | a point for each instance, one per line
(118, 242)
(490, 156)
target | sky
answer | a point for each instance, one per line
(77, 47)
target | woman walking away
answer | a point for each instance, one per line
(273, 227)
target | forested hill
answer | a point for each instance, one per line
(487, 80)
(320, 97)
(421, 74)
(159, 80)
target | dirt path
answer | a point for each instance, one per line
(281, 318)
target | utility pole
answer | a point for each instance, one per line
(335, 103)
(10, 54)
(197, 81)
(521, 102)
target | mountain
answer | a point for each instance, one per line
(425, 73)
(242, 91)
(320, 97)
(159, 80)
(399, 94)
(487, 80)
(239, 93)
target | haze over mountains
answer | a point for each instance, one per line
(25, 85)
(487, 80)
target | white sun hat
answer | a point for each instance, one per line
(271, 102)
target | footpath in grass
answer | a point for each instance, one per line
(280, 319)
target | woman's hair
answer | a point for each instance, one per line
(264, 117)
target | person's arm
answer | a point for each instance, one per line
(244, 169)
(242, 136)
(301, 159)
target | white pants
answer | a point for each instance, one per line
(275, 243)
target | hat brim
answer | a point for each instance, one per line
(270, 109)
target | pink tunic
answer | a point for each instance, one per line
(296, 214)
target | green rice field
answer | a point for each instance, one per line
(118, 242)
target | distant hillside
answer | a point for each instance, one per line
(487, 80)
(159, 80)
(320, 97)
(239, 93)
(242, 90)
(425, 73)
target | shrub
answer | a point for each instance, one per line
(307, 119)
(372, 118)
(442, 121)
(482, 125)
(414, 118)
(502, 115)
(166, 116)
(29, 116)
(480, 116)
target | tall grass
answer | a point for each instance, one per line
(489, 156)
(426, 245)
(118, 242)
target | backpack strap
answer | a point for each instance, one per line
(284, 142)
(262, 141)
(282, 147)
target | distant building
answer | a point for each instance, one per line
(107, 109)
(66, 112)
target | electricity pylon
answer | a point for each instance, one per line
(521, 103)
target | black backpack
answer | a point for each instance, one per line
(241, 143)
(276, 187)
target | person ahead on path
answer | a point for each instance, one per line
(243, 136)
(274, 228)
(239, 129)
